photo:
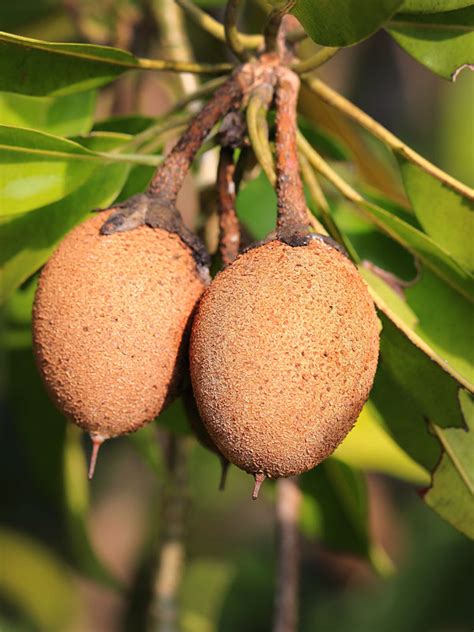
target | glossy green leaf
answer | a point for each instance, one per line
(335, 507)
(29, 240)
(443, 402)
(444, 42)
(370, 447)
(256, 206)
(430, 308)
(433, 6)
(38, 68)
(38, 584)
(343, 22)
(444, 214)
(62, 116)
(455, 472)
(38, 168)
(423, 247)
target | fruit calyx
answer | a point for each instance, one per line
(157, 212)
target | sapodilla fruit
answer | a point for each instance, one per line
(110, 319)
(283, 352)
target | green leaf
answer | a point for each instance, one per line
(321, 140)
(38, 584)
(38, 168)
(433, 6)
(62, 116)
(343, 22)
(256, 206)
(38, 68)
(443, 42)
(444, 214)
(443, 402)
(452, 490)
(422, 246)
(29, 240)
(335, 507)
(370, 447)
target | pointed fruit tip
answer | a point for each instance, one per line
(97, 441)
(259, 478)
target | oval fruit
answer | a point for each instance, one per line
(110, 320)
(283, 352)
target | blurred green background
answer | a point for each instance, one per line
(78, 557)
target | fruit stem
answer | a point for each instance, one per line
(286, 597)
(170, 175)
(292, 218)
(97, 441)
(259, 478)
(229, 227)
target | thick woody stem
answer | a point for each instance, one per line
(169, 177)
(286, 598)
(292, 216)
(229, 240)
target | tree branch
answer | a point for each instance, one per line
(287, 509)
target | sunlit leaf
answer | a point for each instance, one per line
(444, 42)
(29, 240)
(343, 22)
(62, 116)
(444, 214)
(369, 447)
(422, 246)
(38, 168)
(34, 67)
(433, 6)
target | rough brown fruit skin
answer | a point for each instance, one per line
(283, 352)
(109, 322)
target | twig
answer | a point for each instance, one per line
(215, 28)
(333, 98)
(179, 66)
(257, 125)
(273, 23)
(316, 60)
(164, 609)
(169, 177)
(287, 509)
(292, 218)
(229, 238)
(232, 34)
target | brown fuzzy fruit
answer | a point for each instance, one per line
(283, 352)
(109, 324)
